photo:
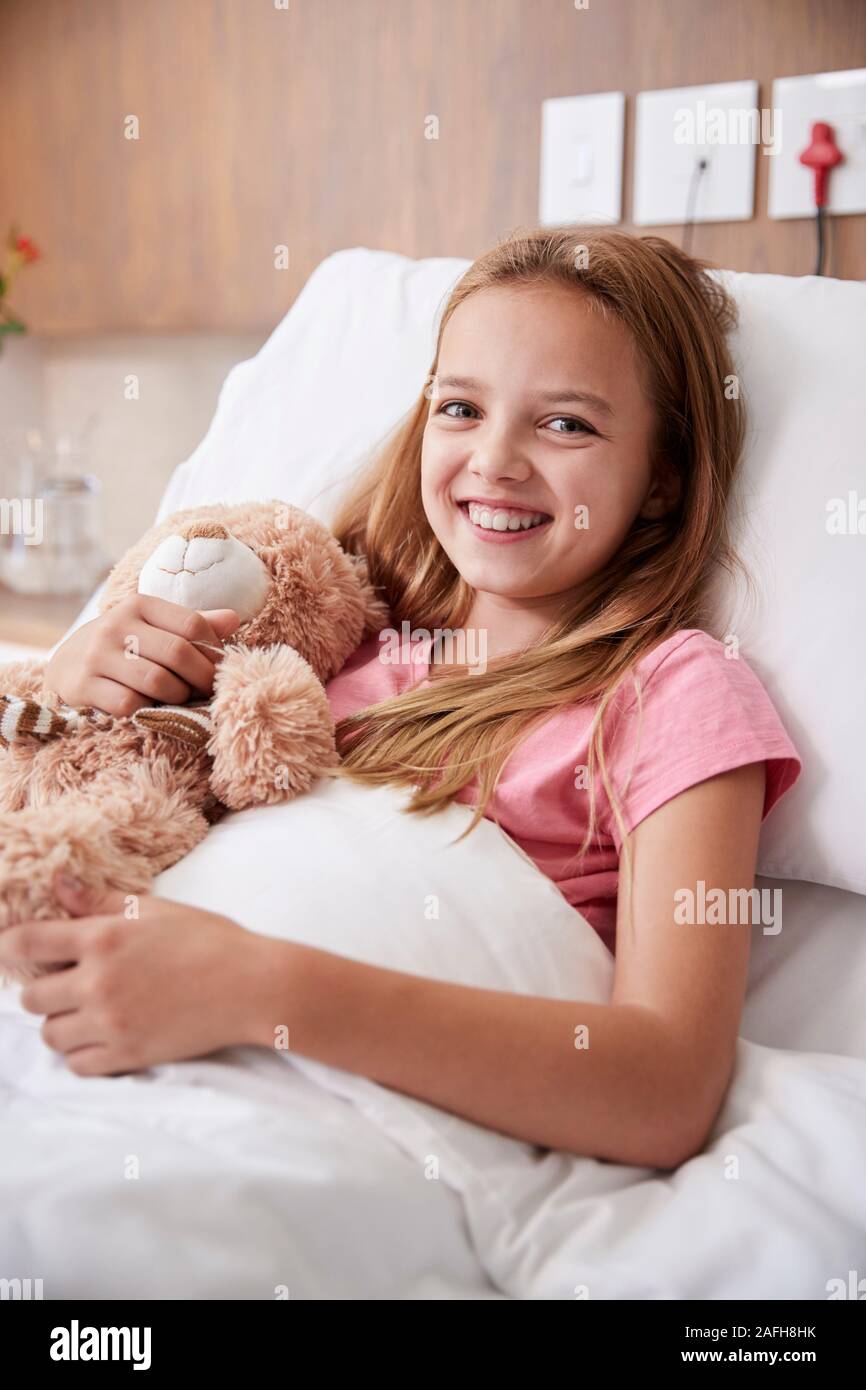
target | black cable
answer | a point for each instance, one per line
(688, 224)
(819, 264)
(830, 248)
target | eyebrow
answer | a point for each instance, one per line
(469, 383)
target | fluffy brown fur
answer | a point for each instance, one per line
(114, 804)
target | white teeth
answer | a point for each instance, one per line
(503, 519)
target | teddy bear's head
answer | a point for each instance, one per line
(280, 570)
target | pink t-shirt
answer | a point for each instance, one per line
(703, 713)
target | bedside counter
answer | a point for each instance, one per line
(36, 621)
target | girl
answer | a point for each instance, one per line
(558, 494)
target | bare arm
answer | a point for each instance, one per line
(649, 1085)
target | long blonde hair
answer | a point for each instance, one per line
(466, 724)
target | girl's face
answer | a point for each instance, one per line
(535, 457)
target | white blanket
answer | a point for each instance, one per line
(252, 1175)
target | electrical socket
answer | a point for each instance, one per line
(840, 99)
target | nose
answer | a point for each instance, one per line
(498, 456)
(202, 565)
(205, 543)
(205, 530)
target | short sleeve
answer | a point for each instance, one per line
(702, 713)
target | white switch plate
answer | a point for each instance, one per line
(678, 127)
(840, 99)
(581, 159)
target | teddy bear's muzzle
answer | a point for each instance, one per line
(207, 567)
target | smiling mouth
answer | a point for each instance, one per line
(503, 520)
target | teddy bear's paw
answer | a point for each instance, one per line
(119, 836)
(273, 733)
(186, 724)
(75, 837)
(23, 719)
(23, 679)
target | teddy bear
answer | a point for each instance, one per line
(114, 801)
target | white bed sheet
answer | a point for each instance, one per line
(232, 1177)
(260, 1171)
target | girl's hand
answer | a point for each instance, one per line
(140, 651)
(172, 983)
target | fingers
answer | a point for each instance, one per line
(177, 640)
(52, 941)
(140, 651)
(194, 665)
(94, 1061)
(82, 900)
(114, 698)
(54, 994)
(145, 652)
(146, 669)
(66, 1032)
(187, 623)
(224, 621)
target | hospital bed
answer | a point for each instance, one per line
(251, 1174)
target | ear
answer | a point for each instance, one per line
(376, 611)
(664, 491)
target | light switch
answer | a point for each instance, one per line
(677, 128)
(581, 159)
(840, 99)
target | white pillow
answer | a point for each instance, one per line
(335, 376)
(345, 869)
(800, 352)
(350, 357)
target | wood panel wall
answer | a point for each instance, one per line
(304, 126)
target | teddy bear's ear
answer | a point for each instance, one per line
(376, 612)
